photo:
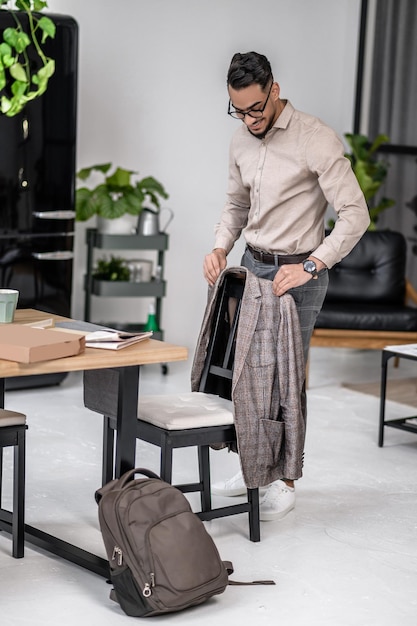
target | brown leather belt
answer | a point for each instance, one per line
(276, 259)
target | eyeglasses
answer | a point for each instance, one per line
(255, 113)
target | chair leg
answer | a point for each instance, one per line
(166, 461)
(205, 480)
(1, 475)
(107, 472)
(254, 523)
(18, 515)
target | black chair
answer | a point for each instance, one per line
(13, 433)
(366, 305)
(200, 419)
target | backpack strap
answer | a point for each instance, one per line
(253, 582)
(229, 568)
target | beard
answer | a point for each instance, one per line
(262, 134)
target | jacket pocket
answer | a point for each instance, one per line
(262, 352)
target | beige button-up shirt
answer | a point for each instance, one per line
(280, 187)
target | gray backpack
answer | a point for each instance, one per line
(161, 557)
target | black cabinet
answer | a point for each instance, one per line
(37, 188)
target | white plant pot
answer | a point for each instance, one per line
(124, 225)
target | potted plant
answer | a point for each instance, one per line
(116, 196)
(25, 69)
(370, 172)
(114, 269)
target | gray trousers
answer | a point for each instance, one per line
(308, 298)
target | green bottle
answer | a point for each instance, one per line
(152, 323)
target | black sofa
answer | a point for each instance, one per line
(366, 305)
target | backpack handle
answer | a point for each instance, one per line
(138, 470)
(121, 482)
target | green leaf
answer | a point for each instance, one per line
(84, 173)
(8, 60)
(104, 205)
(18, 89)
(150, 184)
(5, 49)
(38, 5)
(47, 27)
(134, 201)
(120, 178)
(5, 104)
(50, 68)
(42, 76)
(10, 36)
(378, 142)
(83, 208)
(120, 207)
(22, 41)
(151, 188)
(18, 73)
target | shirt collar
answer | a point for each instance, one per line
(285, 116)
(283, 119)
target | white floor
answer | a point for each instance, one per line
(346, 556)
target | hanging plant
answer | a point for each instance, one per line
(21, 78)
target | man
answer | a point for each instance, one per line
(285, 167)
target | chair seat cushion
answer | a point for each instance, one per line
(185, 410)
(11, 418)
(362, 316)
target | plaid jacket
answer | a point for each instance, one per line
(268, 376)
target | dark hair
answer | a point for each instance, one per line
(247, 69)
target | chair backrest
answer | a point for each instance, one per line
(218, 368)
(373, 272)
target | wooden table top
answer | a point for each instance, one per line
(143, 353)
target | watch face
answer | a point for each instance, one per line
(310, 266)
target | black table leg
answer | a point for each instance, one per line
(2, 385)
(127, 412)
(125, 459)
(384, 363)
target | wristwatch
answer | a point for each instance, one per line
(310, 267)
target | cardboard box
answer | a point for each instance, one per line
(29, 345)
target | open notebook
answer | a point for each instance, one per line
(97, 336)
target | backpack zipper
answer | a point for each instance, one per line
(119, 553)
(147, 591)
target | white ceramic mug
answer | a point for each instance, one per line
(8, 303)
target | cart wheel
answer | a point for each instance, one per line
(164, 368)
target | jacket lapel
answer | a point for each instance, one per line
(248, 319)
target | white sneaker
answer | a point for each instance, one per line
(278, 500)
(232, 487)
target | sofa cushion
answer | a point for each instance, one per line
(373, 272)
(360, 316)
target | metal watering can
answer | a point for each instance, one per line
(148, 222)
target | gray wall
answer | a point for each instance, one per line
(152, 97)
